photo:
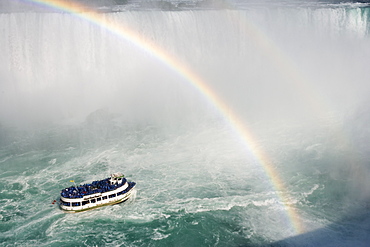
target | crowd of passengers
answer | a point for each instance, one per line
(100, 186)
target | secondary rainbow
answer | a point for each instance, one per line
(180, 68)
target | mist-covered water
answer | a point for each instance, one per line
(78, 102)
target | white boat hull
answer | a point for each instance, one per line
(74, 205)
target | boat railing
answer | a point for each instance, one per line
(100, 186)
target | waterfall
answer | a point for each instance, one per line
(252, 58)
(242, 124)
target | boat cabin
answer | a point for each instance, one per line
(116, 178)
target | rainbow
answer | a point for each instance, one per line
(185, 72)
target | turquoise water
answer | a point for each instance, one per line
(79, 103)
(184, 189)
(187, 193)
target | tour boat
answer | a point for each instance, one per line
(112, 190)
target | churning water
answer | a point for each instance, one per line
(78, 102)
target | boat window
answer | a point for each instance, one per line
(75, 204)
(67, 204)
(113, 195)
(85, 202)
(98, 199)
(92, 200)
(104, 197)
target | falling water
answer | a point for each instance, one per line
(78, 102)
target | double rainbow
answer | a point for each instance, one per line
(174, 64)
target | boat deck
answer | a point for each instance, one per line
(99, 186)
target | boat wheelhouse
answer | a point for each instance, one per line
(112, 190)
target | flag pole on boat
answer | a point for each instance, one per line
(74, 184)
